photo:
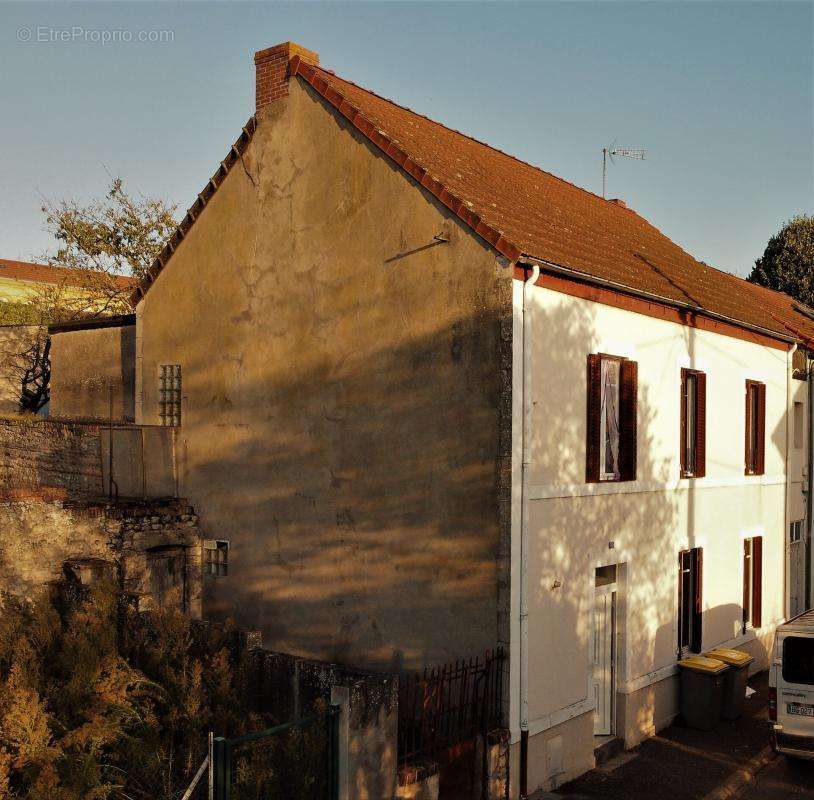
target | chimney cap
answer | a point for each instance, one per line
(291, 49)
(619, 202)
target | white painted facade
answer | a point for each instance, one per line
(574, 527)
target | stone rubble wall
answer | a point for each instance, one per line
(45, 541)
(41, 458)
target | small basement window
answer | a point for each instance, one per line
(216, 557)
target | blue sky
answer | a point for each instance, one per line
(720, 94)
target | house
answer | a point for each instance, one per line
(430, 399)
(23, 281)
(27, 292)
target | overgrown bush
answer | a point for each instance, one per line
(99, 701)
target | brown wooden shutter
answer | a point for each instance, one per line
(594, 406)
(698, 604)
(757, 581)
(627, 421)
(760, 456)
(747, 570)
(683, 430)
(701, 425)
(748, 431)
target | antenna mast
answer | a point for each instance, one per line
(610, 152)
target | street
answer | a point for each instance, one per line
(733, 761)
(780, 779)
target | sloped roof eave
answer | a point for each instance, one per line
(586, 277)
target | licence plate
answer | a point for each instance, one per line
(800, 710)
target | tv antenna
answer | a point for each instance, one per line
(610, 152)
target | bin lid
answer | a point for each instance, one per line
(735, 658)
(711, 666)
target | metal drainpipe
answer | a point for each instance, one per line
(524, 538)
(809, 480)
(786, 550)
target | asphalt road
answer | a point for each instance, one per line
(782, 778)
(683, 764)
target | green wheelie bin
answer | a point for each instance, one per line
(702, 687)
(734, 679)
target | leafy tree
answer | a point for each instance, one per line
(787, 264)
(103, 242)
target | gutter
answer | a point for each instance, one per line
(583, 277)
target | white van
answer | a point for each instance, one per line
(791, 687)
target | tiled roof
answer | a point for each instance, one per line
(524, 211)
(43, 273)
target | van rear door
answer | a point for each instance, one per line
(795, 685)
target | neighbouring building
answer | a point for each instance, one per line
(429, 399)
(23, 286)
(107, 392)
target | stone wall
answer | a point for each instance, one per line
(39, 457)
(152, 549)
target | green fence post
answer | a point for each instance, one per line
(333, 755)
(221, 768)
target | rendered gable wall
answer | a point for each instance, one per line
(346, 408)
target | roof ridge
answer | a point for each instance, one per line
(480, 142)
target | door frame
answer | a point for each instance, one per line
(611, 589)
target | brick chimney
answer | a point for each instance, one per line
(271, 71)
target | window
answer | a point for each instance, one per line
(216, 557)
(611, 429)
(693, 423)
(752, 582)
(796, 531)
(755, 427)
(169, 394)
(799, 425)
(798, 660)
(690, 605)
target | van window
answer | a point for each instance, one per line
(798, 660)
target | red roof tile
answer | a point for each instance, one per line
(525, 211)
(43, 273)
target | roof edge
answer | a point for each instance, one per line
(667, 302)
(194, 211)
(415, 170)
(117, 321)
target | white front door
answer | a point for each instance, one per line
(603, 658)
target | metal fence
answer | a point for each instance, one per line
(447, 705)
(298, 760)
